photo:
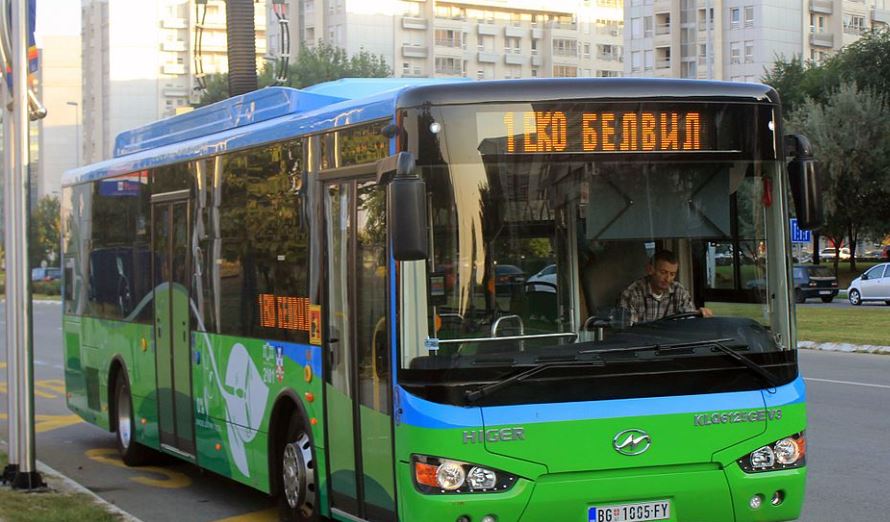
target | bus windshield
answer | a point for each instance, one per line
(543, 256)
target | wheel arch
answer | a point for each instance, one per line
(287, 403)
(117, 368)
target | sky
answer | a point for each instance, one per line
(58, 17)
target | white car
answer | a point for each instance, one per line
(873, 285)
(546, 275)
(830, 253)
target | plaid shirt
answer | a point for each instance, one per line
(643, 307)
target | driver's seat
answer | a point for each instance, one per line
(607, 273)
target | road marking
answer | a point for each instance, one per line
(44, 423)
(884, 386)
(267, 515)
(171, 480)
(45, 389)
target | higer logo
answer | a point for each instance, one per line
(632, 442)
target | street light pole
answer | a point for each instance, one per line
(77, 129)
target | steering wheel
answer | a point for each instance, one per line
(541, 283)
(681, 315)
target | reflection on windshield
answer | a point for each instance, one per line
(531, 255)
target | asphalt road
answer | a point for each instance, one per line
(848, 443)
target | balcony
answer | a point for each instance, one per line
(821, 6)
(173, 68)
(822, 39)
(663, 64)
(662, 29)
(176, 46)
(411, 22)
(880, 15)
(414, 51)
(487, 57)
(487, 29)
(537, 33)
(176, 92)
(174, 23)
(608, 57)
(537, 61)
(564, 26)
(514, 31)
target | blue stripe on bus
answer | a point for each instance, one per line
(301, 354)
(425, 414)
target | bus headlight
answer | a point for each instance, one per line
(789, 452)
(437, 476)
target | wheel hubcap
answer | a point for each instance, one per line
(299, 479)
(123, 418)
(854, 297)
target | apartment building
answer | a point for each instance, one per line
(481, 39)
(139, 62)
(738, 40)
(833, 24)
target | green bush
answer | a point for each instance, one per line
(47, 287)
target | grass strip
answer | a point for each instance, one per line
(51, 505)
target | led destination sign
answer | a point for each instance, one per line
(602, 131)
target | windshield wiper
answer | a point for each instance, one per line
(716, 343)
(488, 389)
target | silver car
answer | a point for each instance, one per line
(873, 285)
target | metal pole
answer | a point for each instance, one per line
(27, 477)
(12, 317)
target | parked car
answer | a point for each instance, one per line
(873, 285)
(46, 274)
(508, 278)
(885, 252)
(814, 281)
(830, 253)
(546, 275)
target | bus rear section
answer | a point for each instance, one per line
(546, 373)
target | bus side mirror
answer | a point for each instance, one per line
(803, 176)
(406, 204)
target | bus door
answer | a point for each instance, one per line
(170, 247)
(358, 390)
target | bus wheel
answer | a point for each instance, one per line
(298, 495)
(131, 452)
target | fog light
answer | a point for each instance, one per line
(489, 518)
(778, 498)
(756, 501)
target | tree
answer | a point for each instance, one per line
(322, 63)
(850, 134)
(44, 236)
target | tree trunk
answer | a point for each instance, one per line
(816, 259)
(852, 235)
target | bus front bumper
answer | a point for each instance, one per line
(702, 493)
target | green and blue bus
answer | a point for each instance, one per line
(400, 300)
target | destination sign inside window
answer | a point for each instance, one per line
(598, 131)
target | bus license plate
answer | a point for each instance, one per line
(659, 510)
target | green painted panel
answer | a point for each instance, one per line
(341, 441)
(377, 458)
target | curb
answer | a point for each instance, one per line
(844, 347)
(69, 484)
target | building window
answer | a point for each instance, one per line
(565, 47)
(636, 61)
(565, 71)
(636, 28)
(854, 24)
(749, 51)
(446, 65)
(749, 16)
(735, 18)
(450, 38)
(586, 50)
(735, 52)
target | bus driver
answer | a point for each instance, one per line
(658, 294)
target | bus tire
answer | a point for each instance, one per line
(298, 487)
(131, 452)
